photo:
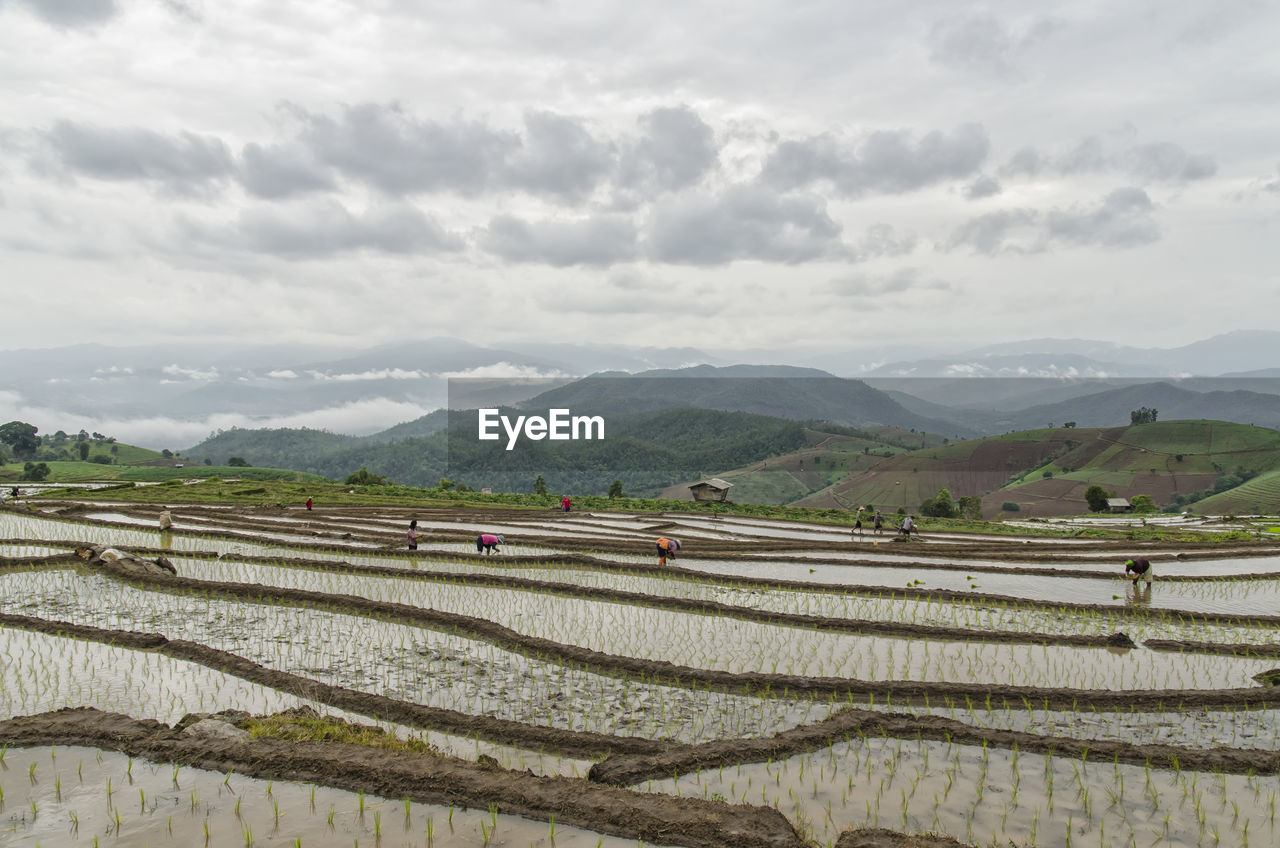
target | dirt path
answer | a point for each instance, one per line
(656, 818)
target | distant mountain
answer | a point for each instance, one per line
(780, 391)
(1020, 365)
(1242, 350)
(973, 401)
(1111, 408)
(1267, 373)
(646, 450)
(162, 394)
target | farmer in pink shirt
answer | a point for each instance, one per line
(487, 543)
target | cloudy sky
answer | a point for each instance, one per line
(725, 175)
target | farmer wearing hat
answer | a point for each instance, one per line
(1140, 568)
(487, 543)
(667, 548)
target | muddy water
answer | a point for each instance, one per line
(1245, 729)
(190, 525)
(22, 550)
(826, 604)
(996, 797)
(65, 802)
(738, 646)
(1256, 597)
(408, 663)
(39, 672)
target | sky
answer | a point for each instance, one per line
(720, 175)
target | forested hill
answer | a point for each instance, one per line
(800, 394)
(646, 450)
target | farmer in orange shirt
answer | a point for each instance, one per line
(667, 548)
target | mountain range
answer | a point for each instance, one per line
(175, 394)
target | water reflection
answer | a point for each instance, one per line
(1138, 596)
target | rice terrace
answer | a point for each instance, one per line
(267, 674)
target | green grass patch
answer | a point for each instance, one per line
(302, 728)
(92, 472)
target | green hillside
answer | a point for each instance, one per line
(1046, 471)
(1170, 461)
(645, 450)
(1258, 495)
(971, 467)
(56, 459)
(831, 454)
(85, 472)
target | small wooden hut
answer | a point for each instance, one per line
(714, 489)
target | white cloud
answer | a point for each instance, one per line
(374, 374)
(279, 172)
(503, 370)
(189, 373)
(158, 432)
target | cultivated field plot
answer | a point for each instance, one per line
(778, 684)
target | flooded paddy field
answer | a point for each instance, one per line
(778, 684)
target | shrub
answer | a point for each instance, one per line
(939, 506)
(364, 477)
(35, 471)
(1142, 503)
(1010, 506)
(970, 507)
(1096, 497)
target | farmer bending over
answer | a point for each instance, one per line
(667, 548)
(487, 543)
(1140, 568)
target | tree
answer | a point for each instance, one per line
(1142, 503)
(166, 453)
(364, 477)
(939, 506)
(83, 448)
(615, 489)
(1096, 497)
(1143, 415)
(970, 507)
(539, 486)
(35, 471)
(238, 462)
(1069, 425)
(21, 436)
